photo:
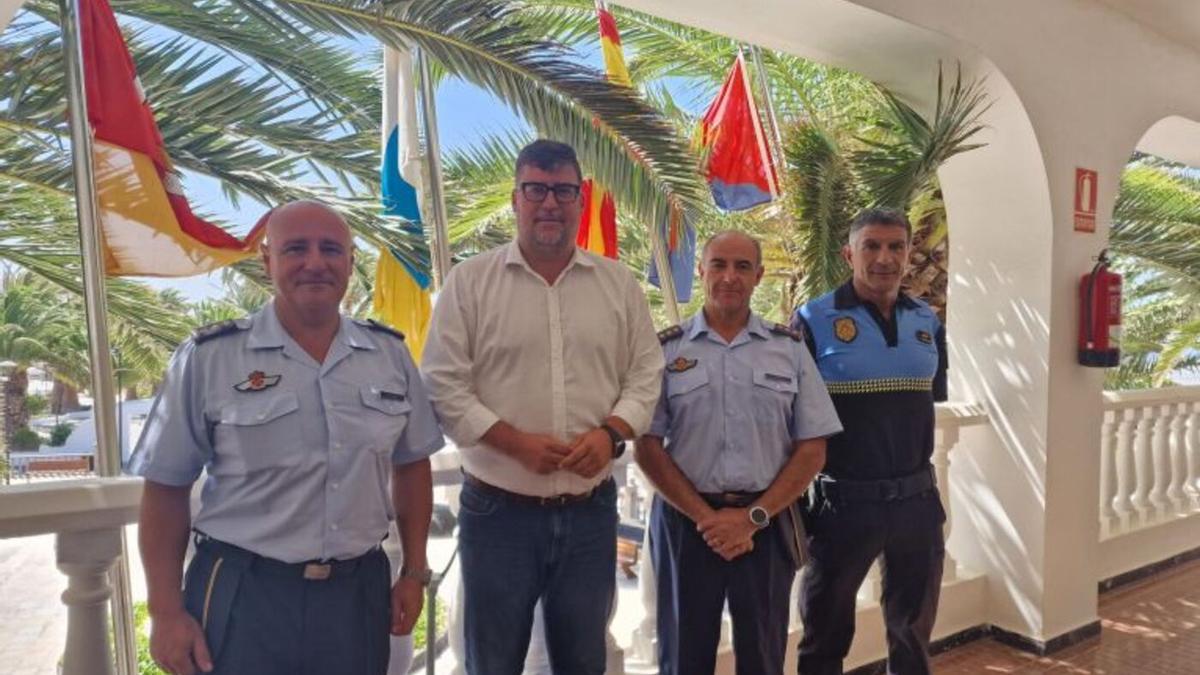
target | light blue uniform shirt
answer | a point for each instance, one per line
(298, 453)
(729, 412)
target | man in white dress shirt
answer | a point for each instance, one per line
(541, 360)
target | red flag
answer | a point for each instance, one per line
(148, 227)
(740, 171)
(597, 221)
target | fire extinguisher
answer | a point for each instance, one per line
(1100, 316)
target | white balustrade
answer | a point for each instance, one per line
(86, 516)
(1150, 458)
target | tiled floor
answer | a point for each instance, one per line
(1148, 628)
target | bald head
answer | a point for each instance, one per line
(736, 235)
(309, 256)
(304, 211)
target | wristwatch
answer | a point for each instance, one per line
(617, 439)
(423, 576)
(759, 517)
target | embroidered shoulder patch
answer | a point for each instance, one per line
(667, 334)
(845, 329)
(681, 364)
(381, 327)
(780, 329)
(214, 330)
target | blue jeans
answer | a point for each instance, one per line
(514, 554)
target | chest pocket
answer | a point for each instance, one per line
(774, 391)
(691, 381)
(385, 415)
(259, 431)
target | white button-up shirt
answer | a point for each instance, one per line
(545, 358)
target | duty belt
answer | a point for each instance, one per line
(730, 499)
(884, 490)
(534, 500)
(315, 570)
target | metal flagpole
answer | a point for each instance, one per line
(433, 151)
(108, 453)
(775, 137)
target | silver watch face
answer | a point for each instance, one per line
(758, 516)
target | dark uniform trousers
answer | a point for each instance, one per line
(845, 537)
(693, 583)
(264, 617)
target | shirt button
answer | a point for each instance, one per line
(262, 416)
(333, 487)
(337, 446)
(374, 390)
(333, 526)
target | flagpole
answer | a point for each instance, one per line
(775, 137)
(433, 152)
(108, 453)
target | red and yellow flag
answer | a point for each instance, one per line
(740, 170)
(598, 219)
(148, 227)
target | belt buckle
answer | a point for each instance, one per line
(554, 500)
(317, 571)
(890, 490)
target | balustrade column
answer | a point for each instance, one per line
(1178, 449)
(1143, 465)
(1108, 477)
(944, 441)
(1192, 442)
(645, 636)
(1126, 468)
(1159, 445)
(86, 558)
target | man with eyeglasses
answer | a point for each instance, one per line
(541, 361)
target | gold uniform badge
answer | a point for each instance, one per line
(845, 329)
(681, 364)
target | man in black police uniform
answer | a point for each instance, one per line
(882, 355)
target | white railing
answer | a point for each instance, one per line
(1150, 458)
(86, 516)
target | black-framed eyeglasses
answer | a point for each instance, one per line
(564, 193)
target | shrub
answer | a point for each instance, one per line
(59, 434)
(37, 405)
(26, 439)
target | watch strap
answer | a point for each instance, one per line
(617, 439)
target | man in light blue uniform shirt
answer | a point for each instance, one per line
(314, 430)
(738, 434)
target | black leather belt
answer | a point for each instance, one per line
(730, 499)
(884, 490)
(315, 570)
(533, 500)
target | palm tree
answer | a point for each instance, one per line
(29, 320)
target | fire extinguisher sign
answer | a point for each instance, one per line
(1085, 200)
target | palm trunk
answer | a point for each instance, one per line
(64, 398)
(16, 412)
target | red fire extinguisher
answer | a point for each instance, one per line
(1100, 316)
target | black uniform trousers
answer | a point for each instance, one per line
(263, 616)
(693, 584)
(845, 537)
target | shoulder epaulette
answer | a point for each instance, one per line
(214, 330)
(667, 334)
(780, 329)
(382, 328)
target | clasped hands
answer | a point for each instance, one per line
(728, 532)
(586, 455)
